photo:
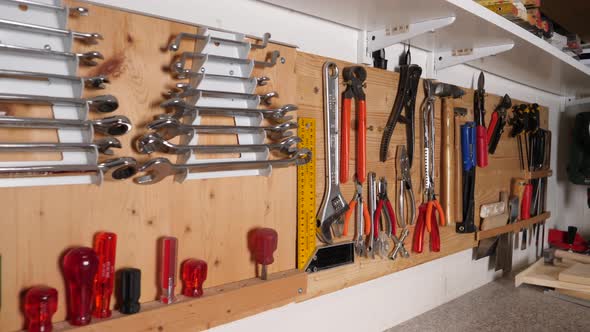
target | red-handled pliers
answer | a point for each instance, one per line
(354, 78)
(389, 213)
(418, 243)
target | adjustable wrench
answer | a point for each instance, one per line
(153, 142)
(169, 128)
(96, 82)
(114, 125)
(84, 58)
(101, 104)
(158, 169)
(333, 205)
(102, 145)
(182, 109)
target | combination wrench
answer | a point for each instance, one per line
(87, 59)
(182, 109)
(333, 205)
(153, 142)
(169, 128)
(158, 169)
(101, 104)
(102, 145)
(175, 44)
(87, 38)
(179, 66)
(190, 91)
(114, 125)
(95, 82)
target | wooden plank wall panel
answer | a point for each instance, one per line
(210, 217)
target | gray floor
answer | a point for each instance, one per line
(499, 306)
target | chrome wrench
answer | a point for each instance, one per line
(88, 38)
(96, 82)
(114, 125)
(189, 91)
(102, 145)
(333, 205)
(101, 104)
(87, 59)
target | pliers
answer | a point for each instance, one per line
(405, 185)
(363, 219)
(382, 238)
(354, 78)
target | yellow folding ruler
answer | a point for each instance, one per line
(306, 184)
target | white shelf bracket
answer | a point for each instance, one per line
(445, 59)
(394, 34)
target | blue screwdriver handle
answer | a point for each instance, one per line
(468, 150)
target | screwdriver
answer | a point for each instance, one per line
(194, 274)
(80, 265)
(129, 290)
(40, 305)
(265, 243)
(105, 246)
(168, 253)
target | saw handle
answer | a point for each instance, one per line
(482, 146)
(345, 139)
(525, 210)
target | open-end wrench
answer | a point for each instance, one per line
(88, 38)
(158, 169)
(169, 128)
(102, 145)
(153, 142)
(333, 205)
(114, 125)
(182, 109)
(101, 104)
(87, 59)
(188, 91)
(71, 11)
(95, 82)
(116, 169)
(200, 76)
(175, 45)
(372, 202)
(182, 72)
(399, 245)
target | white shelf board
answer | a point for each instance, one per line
(532, 61)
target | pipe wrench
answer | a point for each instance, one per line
(333, 205)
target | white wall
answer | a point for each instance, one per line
(387, 301)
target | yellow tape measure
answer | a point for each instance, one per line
(306, 184)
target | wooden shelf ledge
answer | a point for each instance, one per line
(512, 227)
(538, 174)
(218, 305)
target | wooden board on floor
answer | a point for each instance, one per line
(211, 218)
(547, 275)
(579, 273)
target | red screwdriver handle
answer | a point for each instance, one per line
(194, 274)
(168, 258)
(481, 146)
(105, 246)
(345, 139)
(266, 241)
(80, 266)
(40, 306)
(361, 151)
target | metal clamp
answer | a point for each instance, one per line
(114, 125)
(101, 104)
(95, 82)
(86, 37)
(175, 45)
(102, 145)
(84, 58)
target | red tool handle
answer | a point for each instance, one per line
(525, 209)
(345, 140)
(367, 218)
(80, 265)
(492, 126)
(482, 146)
(194, 274)
(418, 243)
(434, 236)
(347, 215)
(392, 216)
(105, 246)
(376, 219)
(40, 306)
(361, 150)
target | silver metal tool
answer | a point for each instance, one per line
(182, 109)
(429, 143)
(95, 82)
(382, 244)
(87, 58)
(114, 125)
(116, 169)
(153, 142)
(198, 77)
(169, 128)
(101, 104)
(158, 169)
(72, 11)
(405, 184)
(399, 245)
(86, 37)
(372, 202)
(333, 205)
(179, 66)
(359, 242)
(175, 45)
(189, 91)
(102, 145)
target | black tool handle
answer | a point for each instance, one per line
(571, 235)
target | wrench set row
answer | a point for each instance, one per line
(218, 83)
(31, 39)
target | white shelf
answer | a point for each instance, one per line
(532, 61)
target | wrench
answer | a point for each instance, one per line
(169, 128)
(399, 245)
(188, 91)
(102, 145)
(182, 72)
(71, 11)
(175, 45)
(117, 169)
(333, 205)
(200, 76)
(114, 125)
(101, 104)
(86, 59)
(158, 169)
(96, 82)
(88, 38)
(153, 142)
(182, 109)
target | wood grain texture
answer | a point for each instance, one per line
(578, 274)
(512, 227)
(546, 275)
(211, 218)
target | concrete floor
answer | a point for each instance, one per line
(499, 306)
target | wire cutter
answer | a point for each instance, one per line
(405, 185)
(354, 78)
(382, 238)
(363, 219)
